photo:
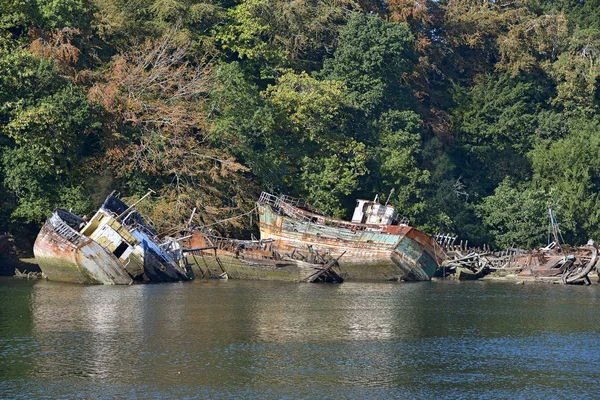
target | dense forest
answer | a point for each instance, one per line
(478, 113)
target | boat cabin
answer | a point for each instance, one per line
(371, 212)
(109, 233)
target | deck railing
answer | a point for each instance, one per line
(65, 231)
(286, 204)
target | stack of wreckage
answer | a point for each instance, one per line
(555, 263)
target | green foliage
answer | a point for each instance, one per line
(281, 34)
(250, 35)
(64, 13)
(44, 120)
(516, 215)
(242, 121)
(15, 17)
(311, 118)
(327, 179)
(500, 112)
(372, 58)
(585, 14)
(396, 156)
(577, 75)
(497, 124)
(569, 167)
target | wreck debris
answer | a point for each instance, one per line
(553, 263)
(29, 274)
(326, 273)
(577, 273)
(203, 267)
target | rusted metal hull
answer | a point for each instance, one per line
(76, 259)
(415, 254)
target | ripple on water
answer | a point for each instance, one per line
(262, 339)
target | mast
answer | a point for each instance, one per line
(553, 225)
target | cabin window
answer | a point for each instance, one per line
(120, 249)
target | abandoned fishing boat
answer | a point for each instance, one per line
(374, 244)
(216, 257)
(112, 248)
(66, 255)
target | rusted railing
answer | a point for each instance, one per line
(64, 230)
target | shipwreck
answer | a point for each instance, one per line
(115, 247)
(555, 263)
(374, 245)
(217, 257)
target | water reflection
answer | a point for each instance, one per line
(261, 339)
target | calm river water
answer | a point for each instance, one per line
(241, 339)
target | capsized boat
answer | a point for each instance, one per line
(113, 248)
(159, 261)
(373, 238)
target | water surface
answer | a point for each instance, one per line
(235, 339)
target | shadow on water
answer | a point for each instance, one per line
(265, 339)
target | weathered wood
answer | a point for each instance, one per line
(326, 273)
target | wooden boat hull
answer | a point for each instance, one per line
(414, 254)
(205, 265)
(77, 259)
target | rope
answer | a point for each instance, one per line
(229, 219)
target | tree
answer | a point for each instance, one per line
(496, 125)
(46, 122)
(312, 119)
(576, 72)
(282, 34)
(569, 168)
(517, 215)
(396, 159)
(372, 59)
(153, 102)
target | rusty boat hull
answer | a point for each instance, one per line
(414, 255)
(65, 255)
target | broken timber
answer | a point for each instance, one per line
(326, 273)
(210, 272)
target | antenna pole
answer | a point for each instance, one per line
(389, 196)
(150, 191)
